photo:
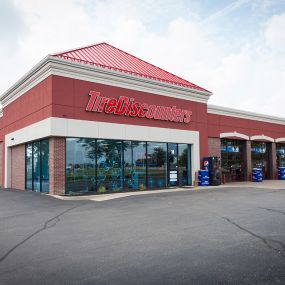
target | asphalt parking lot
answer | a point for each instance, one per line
(221, 236)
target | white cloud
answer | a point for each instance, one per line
(274, 33)
(248, 76)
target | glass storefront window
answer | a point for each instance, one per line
(80, 165)
(260, 157)
(109, 165)
(112, 165)
(232, 159)
(29, 166)
(45, 166)
(37, 166)
(156, 164)
(134, 165)
(139, 165)
(280, 153)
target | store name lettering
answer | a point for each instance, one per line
(126, 106)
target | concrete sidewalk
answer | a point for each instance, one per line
(267, 184)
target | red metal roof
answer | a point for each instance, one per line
(107, 56)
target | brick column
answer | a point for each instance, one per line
(248, 161)
(18, 167)
(273, 161)
(214, 147)
(57, 166)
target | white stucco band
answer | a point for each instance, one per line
(62, 127)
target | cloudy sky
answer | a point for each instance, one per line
(236, 49)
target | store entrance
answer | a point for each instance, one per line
(260, 157)
(172, 164)
(233, 160)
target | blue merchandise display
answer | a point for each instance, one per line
(203, 177)
(281, 173)
(257, 175)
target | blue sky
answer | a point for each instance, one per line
(236, 49)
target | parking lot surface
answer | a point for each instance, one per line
(218, 236)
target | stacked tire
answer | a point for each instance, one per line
(203, 178)
(257, 175)
(281, 173)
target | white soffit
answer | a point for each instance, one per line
(225, 111)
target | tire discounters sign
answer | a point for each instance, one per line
(126, 106)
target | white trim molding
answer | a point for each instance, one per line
(234, 134)
(54, 66)
(280, 140)
(225, 111)
(261, 137)
(61, 127)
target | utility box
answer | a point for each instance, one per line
(213, 165)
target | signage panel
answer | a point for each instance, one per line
(126, 106)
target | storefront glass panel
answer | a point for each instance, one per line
(233, 160)
(112, 165)
(45, 166)
(109, 165)
(260, 157)
(280, 153)
(156, 164)
(134, 165)
(80, 165)
(29, 166)
(37, 166)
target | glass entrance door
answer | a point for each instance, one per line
(172, 164)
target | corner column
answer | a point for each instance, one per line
(57, 165)
(273, 161)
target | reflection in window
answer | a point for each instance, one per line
(80, 165)
(45, 166)
(156, 164)
(232, 159)
(183, 164)
(260, 157)
(112, 165)
(280, 153)
(109, 162)
(134, 165)
(29, 166)
(37, 166)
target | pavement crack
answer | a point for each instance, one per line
(275, 245)
(273, 210)
(47, 225)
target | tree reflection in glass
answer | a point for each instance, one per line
(109, 164)
(156, 163)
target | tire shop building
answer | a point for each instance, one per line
(99, 119)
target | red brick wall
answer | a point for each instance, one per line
(18, 167)
(248, 161)
(214, 147)
(273, 161)
(57, 165)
